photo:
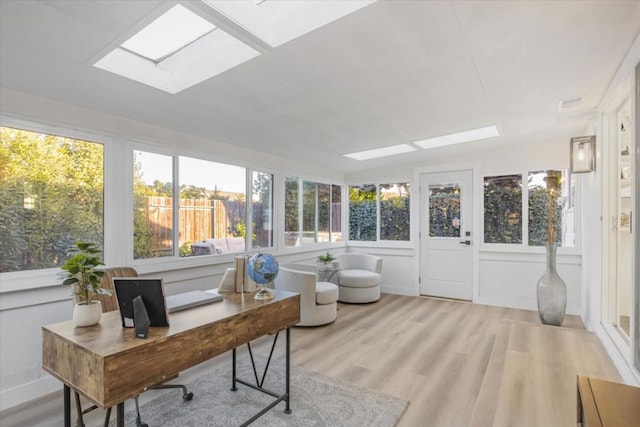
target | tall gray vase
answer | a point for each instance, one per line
(552, 291)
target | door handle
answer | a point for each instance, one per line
(466, 242)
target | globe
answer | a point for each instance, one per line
(262, 269)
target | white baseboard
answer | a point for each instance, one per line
(629, 374)
(398, 291)
(29, 391)
(520, 304)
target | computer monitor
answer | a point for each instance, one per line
(151, 290)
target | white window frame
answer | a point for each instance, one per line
(524, 246)
(48, 277)
(378, 242)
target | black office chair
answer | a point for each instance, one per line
(110, 303)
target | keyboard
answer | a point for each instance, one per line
(191, 299)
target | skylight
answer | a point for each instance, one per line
(381, 152)
(176, 51)
(457, 138)
(172, 31)
(279, 21)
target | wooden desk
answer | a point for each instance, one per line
(108, 364)
(606, 404)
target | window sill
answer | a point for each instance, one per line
(537, 256)
(520, 249)
(381, 244)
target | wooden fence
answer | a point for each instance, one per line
(199, 219)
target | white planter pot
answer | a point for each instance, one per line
(87, 315)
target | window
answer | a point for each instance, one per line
(503, 209)
(316, 207)
(394, 211)
(549, 216)
(309, 212)
(261, 210)
(208, 214)
(212, 206)
(444, 210)
(291, 211)
(363, 212)
(393, 206)
(336, 213)
(548, 195)
(324, 216)
(51, 195)
(152, 205)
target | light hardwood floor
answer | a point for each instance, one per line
(458, 363)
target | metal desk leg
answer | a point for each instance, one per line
(259, 382)
(80, 421)
(120, 415)
(233, 381)
(287, 409)
(66, 391)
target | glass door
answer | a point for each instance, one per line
(446, 260)
(623, 247)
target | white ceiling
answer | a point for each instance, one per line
(391, 73)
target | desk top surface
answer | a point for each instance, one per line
(109, 337)
(618, 404)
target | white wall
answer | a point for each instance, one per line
(397, 268)
(506, 276)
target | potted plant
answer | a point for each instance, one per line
(81, 271)
(326, 258)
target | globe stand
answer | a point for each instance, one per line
(263, 293)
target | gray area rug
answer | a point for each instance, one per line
(316, 400)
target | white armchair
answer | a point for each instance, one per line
(359, 277)
(318, 300)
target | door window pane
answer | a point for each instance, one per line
(291, 212)
(444, 210)
(394, 211)
(503, 209)
(336, 213)
(152, 205)
(261, 210)
(362, 212)
(51, 195)
(212, 206)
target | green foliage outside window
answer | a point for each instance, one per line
(362, 212)
(51, 195)
(503, 209)
(545, 201)
(291, 217)
(143, 230)
(309, 199)
(444, 210)
(395, 213)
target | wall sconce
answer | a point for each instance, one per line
(583, 149)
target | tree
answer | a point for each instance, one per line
(362, 212)
(51, 194)
(503, 209)
(291, 204)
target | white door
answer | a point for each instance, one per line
(446, 234)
